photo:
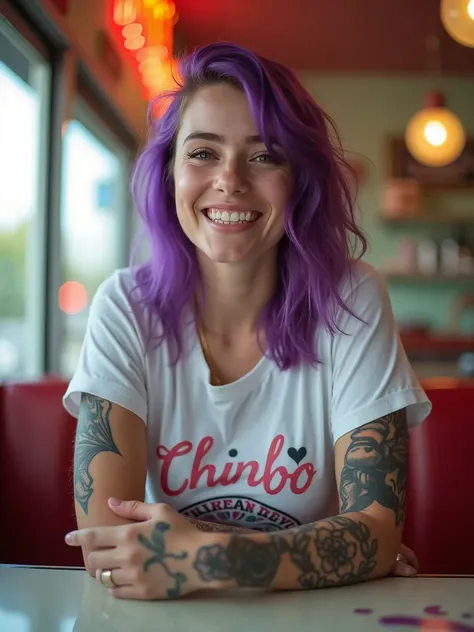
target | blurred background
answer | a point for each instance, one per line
(397, 76)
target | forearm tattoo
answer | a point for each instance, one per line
(213, 527)
(333, 552)
(93, 436)
(376, 466)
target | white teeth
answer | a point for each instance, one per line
(224, 217)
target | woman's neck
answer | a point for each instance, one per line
(235, 294)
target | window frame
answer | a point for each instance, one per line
(73, 89)
(89, 117)
(38, 56)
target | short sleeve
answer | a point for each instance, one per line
(112, 358)
(372, 375)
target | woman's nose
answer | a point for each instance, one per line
(232, 180)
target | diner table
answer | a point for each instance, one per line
(53, 599)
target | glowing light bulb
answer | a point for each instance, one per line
(132, 30)
(435, 133)
(457, 17)
(125, 12)
(134, 43)
(470, 9)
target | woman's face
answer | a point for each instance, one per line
(231, 194)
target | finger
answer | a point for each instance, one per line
(106, 558)
(132, 509)
(107, 537)
(119, 576)
(130, 592)
(401, 569)
(410, 556)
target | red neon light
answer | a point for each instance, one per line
(148, 35)
(132, 30)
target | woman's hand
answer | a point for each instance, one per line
(151, 559)
(406, 564)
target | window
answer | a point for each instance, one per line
(94, 212)
(24, 86)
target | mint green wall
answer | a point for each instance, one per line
(366, 109)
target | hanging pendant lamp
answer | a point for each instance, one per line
(435, 136)
(457, 17)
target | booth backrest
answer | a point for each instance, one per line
(36, 452)
(36, 498)
(440, 513)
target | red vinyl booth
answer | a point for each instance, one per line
(36, 498)
(36, 453)
(439, 523)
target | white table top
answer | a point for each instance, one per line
(60, 600)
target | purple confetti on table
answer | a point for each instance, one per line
(363, 611)
(428, 624)
(435, 611)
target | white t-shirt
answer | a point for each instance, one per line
(257, 453)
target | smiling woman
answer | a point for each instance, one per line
(247, 380)
(231, 193)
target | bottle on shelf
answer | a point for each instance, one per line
(427, 256)
(449, 260)
(465, 259)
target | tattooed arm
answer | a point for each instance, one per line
(359, 544)
(110, 460)
(213, 527)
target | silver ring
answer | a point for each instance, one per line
(106, 579)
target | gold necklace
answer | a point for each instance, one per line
(215, 379)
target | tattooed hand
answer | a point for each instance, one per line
(150, 559)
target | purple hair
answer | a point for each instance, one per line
(321, 235)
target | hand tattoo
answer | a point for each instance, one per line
(156, 544)
(342, 549)
(376, 466)
(93, 436)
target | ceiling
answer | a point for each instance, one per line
(374, 36)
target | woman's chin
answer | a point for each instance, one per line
(227, 257)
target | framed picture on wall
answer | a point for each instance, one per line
(458, 175)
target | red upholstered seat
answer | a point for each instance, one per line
(36, 452)
(440, 513)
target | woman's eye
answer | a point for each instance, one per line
(265, 158)
(200, 154)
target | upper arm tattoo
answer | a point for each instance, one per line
(376, 466)
(93, 436)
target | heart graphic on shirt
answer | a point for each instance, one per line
(297, 455)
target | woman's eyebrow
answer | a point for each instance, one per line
(199, 135)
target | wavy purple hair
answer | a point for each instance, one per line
(321, 235)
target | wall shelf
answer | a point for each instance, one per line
(417, 277)
(452, 344)
(423, 219)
